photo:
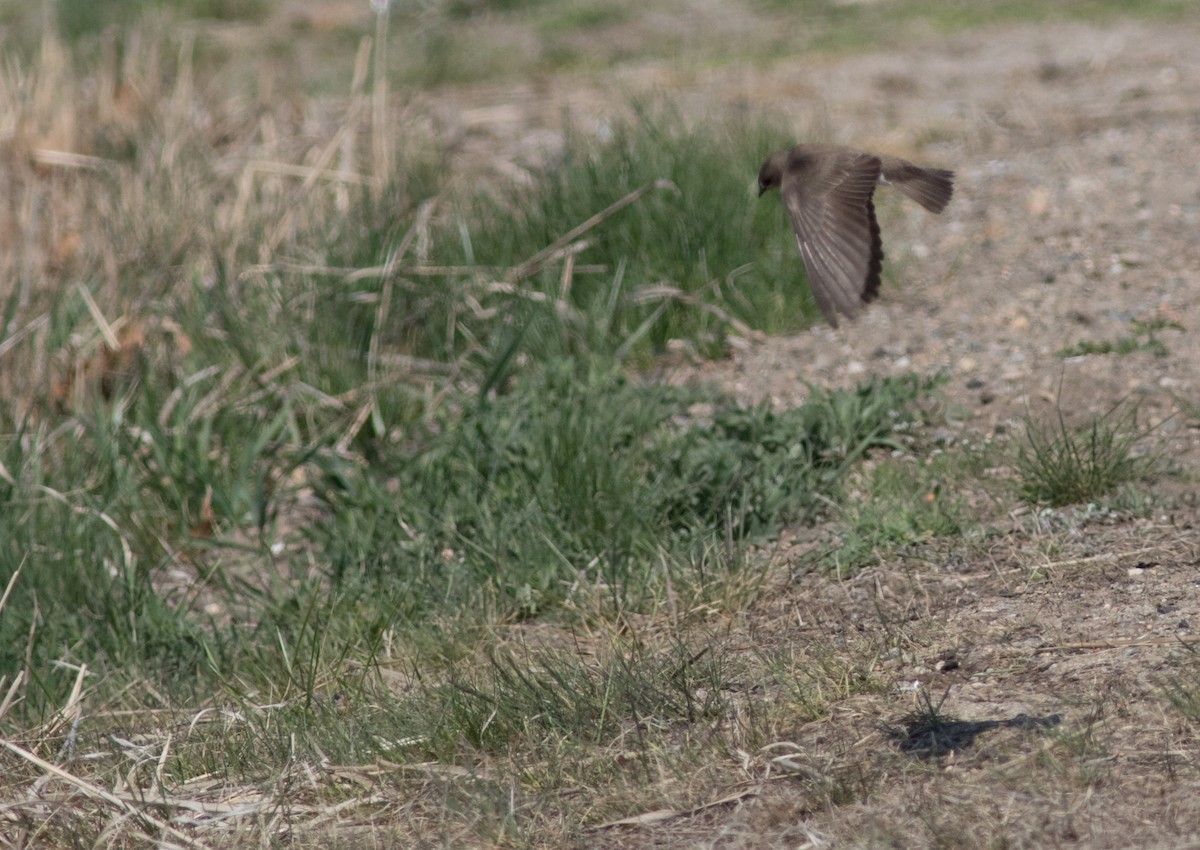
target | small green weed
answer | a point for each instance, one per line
(1143, 338)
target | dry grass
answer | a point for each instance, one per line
(117, 179)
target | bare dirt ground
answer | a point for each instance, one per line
(1077, 213)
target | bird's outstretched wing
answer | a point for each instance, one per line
(828, 197)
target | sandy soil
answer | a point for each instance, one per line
(1077, 213)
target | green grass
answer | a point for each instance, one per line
(79, 18)
(903, 500)
(684, 258)
(582, 16)
(1061, 465)
(1143, 338)
(588, 478)
(950, 15)
(900, 507)
(481, 40)
(694, 260)
(568, 485)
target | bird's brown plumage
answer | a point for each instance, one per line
(828, 193)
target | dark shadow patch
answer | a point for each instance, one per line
(927, 733)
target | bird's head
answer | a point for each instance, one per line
(770, 176)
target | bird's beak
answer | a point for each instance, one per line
(762, 190)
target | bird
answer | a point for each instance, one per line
(828, 192)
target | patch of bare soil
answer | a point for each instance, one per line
(1044, 647)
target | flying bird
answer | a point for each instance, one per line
(828, 194)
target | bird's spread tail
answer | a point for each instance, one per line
(932, 188)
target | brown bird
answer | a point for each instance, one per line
(828, 194)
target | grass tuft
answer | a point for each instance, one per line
(1059, 465)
